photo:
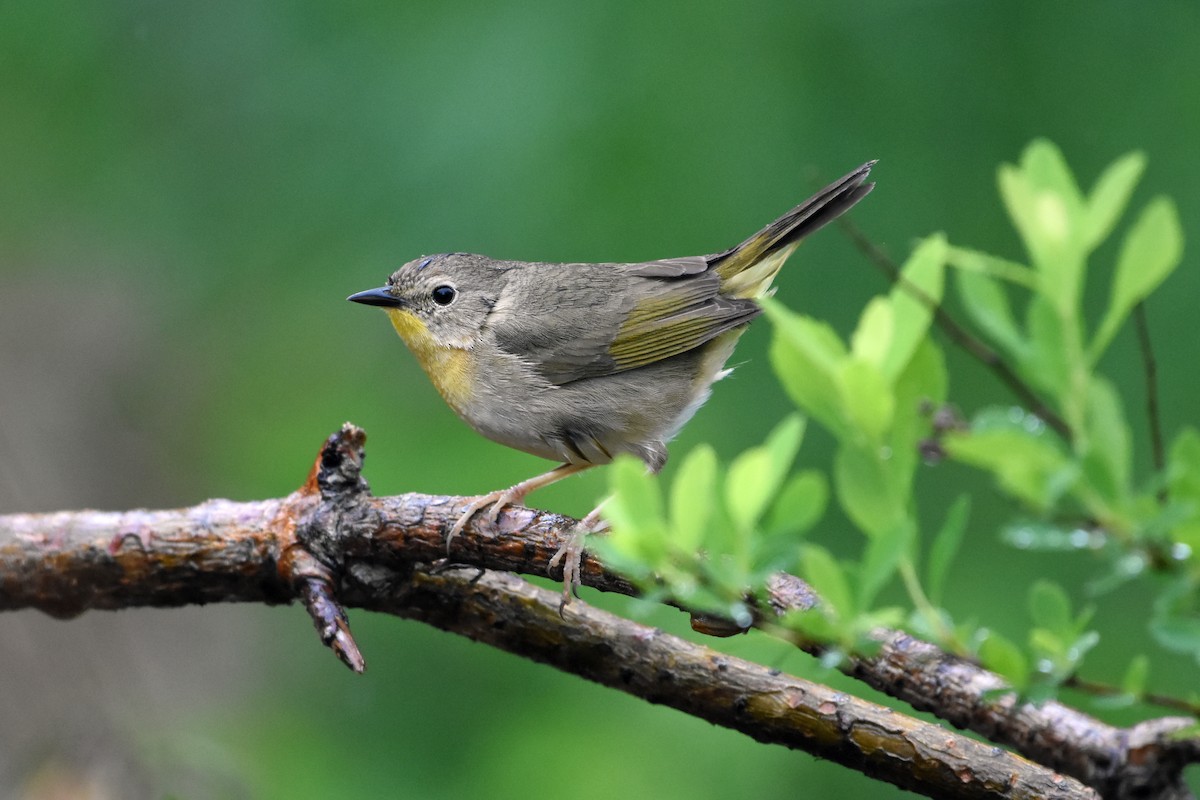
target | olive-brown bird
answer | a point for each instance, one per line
(581, 362)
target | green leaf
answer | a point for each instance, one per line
(1176, 633)
(1025, 460)
(1187, 534)
(756, 475)
(1046, 207)
(945, 546)
(867, 400)
(806, 355)
(1046, 645)
(1151, 250)
(1043, 163)
(1046, 362)
(873, 336)
(1187, 731)
(1109, 197)
(1041, 198)
(1106, 462)
(975, 261)
(924, 273)
(1183, 467)
(1047, 537)
(782, 445)
(1119, 571)
(1004, 658)
(1170, 521)
(799, 506)
(1050, 608)
(1134, 682)
(1180, 520)
(987, 303)
(921, 385)
(637, 499)
(1059, 201)
(1018, 197)
(881, 559)
(826, 576)
(923, 380)
(692, 496)
(1083, 644)
(816, 624)
(746, 487)
(865, 641)
(639, 540)
(1048, 651)
(864, 488)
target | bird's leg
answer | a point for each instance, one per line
(513, 494)
(571, 553)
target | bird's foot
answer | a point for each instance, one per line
(498, 502)
(570, 555)
(510, 496)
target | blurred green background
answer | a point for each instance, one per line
(188, 192)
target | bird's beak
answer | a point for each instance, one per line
(377, 297)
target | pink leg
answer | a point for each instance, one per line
(514, 494)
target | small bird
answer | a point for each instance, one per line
(579, 363)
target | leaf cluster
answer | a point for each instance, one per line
(718, 534)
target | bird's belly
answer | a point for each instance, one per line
(591, 421)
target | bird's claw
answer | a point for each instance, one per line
(498, 502)
(570, 555)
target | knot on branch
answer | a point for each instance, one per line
(338, 469)
(341, 514)
(315, 564)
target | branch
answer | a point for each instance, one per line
(509, 613)
(331, 543)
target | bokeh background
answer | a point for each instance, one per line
(189, 191)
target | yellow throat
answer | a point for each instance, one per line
(448, 367)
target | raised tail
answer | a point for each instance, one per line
(748, 269)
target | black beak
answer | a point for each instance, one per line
(377, 297)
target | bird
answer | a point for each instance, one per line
(581, 362)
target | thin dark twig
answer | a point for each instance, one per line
(957, 333)
(1150, 370)
(1101, 689)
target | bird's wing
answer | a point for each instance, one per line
(616, 317)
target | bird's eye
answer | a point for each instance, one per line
(444, 295)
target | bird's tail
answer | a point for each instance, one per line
(748, 269)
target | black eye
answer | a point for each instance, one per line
(444, 295)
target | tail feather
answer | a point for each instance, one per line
(748, 269)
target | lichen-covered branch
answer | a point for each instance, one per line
(332, 544)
